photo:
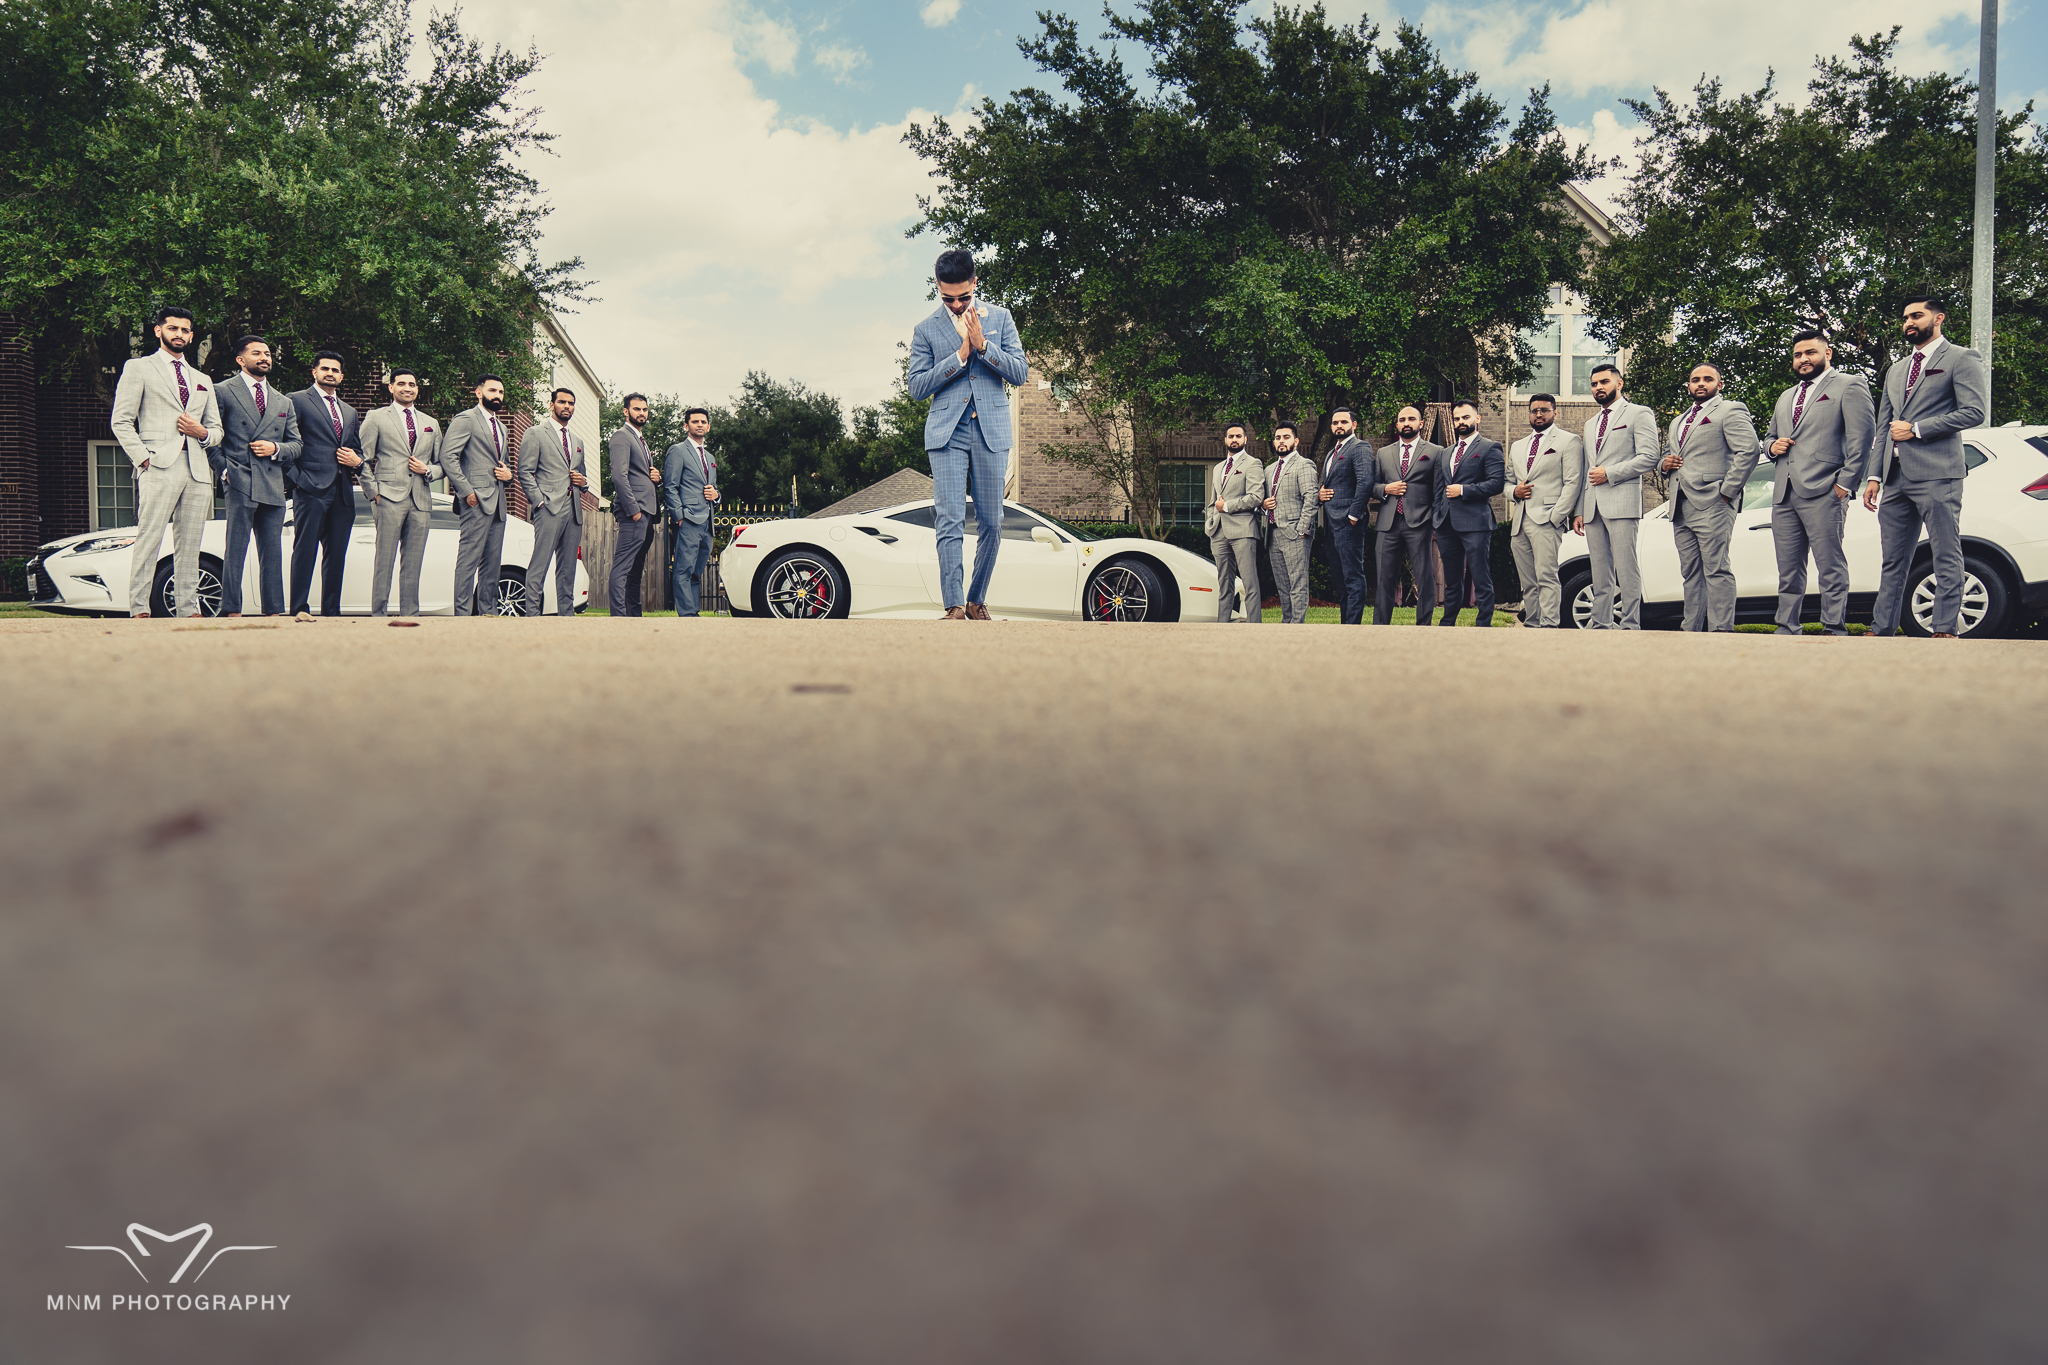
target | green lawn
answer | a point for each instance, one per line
(13, 611)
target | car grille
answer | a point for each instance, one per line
(41, 588)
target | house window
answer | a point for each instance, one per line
(1566, 350)
(1183, 493)
(113, 486)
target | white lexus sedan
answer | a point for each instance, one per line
(886, 564)
(88, 574)
(2005, 548)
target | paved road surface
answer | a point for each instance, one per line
(733, 991)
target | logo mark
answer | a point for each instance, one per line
(205, 1231)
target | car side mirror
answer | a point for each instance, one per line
(1044, 536)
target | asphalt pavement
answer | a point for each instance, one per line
(737, 990)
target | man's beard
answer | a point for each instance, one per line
(1465, 433)
(1608, 401)
(493, 404)
(178, 345)
(1916, 335)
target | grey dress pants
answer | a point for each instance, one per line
(555, 536)
(1800, 526)
(1905, 507)
(1288, 554)
(477, 561)
(1703, 527)
(1237, 569)
(1617, 575)
(400, 526)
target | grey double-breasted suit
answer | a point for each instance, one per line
(548, 453)
(1407, 526)
(174, 472)
(1622, 441)
(477, 443)
(1553, 463)
(1923, 478)
(1291, 529)
(1234, 534)
(255, 485)
(401, 502)
(1829, 421)
(1717, 443)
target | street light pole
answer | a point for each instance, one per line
(1987, 183)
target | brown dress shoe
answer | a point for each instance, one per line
(230, 615)
(305, 616)
(955, 614)
(1944, 635)
(977, 612)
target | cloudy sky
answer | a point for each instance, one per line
(732, 171)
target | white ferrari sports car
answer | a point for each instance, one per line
(88, 574)
(2005, 548)
(886, 563)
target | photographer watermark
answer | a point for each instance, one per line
(169, 1302)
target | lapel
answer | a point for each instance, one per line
(1828, 383)
(1936, 360)
(170, 380)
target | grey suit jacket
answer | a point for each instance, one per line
(385, 471)
(146, 411)
(316, 465)
(1951, 397)
(1831, 441)
(1425, 475)
(256, 478)
(682, 483)
(1719, 451)
(544, 474)
(1630, 450)
(1556, 477)
(1292, 484)
(1241, 483)
(633, 487)
(469, 454)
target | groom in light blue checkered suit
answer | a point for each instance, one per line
(960, 358)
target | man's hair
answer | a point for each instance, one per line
(1346, 409)
(1607, 365)
(1464, 403)
(1549, 398)
(243, 343)
(401, 372)
(485, 378)
(1809, 335)
(1706, 365)
(558, 393)
(1407, 408)
(1229, 427)
(1288, 426)
(335, 356)
(694, 411)
(955, 266)
(172, 310)
(629, 399)
(1935, 302)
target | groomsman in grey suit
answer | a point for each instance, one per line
(1819, 437)
(1548, 469)
(1475, 471)
(1233, 524)
(259, 439)
(636, 502)
(1410, 480)
(1291, 509)
(690, 491)
(399, 469)
(167, 419)
(473, 455)
(323, 483)
(1713, 448)
(1622, 446)
(1916, 462)
(550, 459)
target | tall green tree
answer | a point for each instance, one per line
(1750, 218)
(275, 168)
(1283, 215)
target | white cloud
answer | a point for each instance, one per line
(940, 13)
(1603, 46)
(722, 236)
(1609, 139)
(840, 60)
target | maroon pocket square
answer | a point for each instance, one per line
(1824, 399)
(1934, 372)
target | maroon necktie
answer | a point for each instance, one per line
(497, 439)
(262, 409)
(1401, 503)
(334, 415)
(1534, 441)
(185, 394)
(412, 435)
(1912, 376)
(1458, 456)
(1273, 513)
(1799, 403)
(1686, 430)
(1601, 439)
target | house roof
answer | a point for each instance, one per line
(905, 485)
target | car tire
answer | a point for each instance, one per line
(160, 590)
(512, 593)
(802, 584)
(1986, 600)
(1124, 590)
(1575, 592)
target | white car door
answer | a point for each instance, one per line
(437, 575)
(361, 563)
(1753, 553)
(1036, 571)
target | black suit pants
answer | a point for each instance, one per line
(1466, 552)
(1344, 547)
(323, 519)
(1414, 542)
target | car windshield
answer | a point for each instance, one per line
(1015, 527)
(1072, 530)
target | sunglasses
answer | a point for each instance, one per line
(967, 297)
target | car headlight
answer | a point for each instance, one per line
(100, 543)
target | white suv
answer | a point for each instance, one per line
(2005, 548)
